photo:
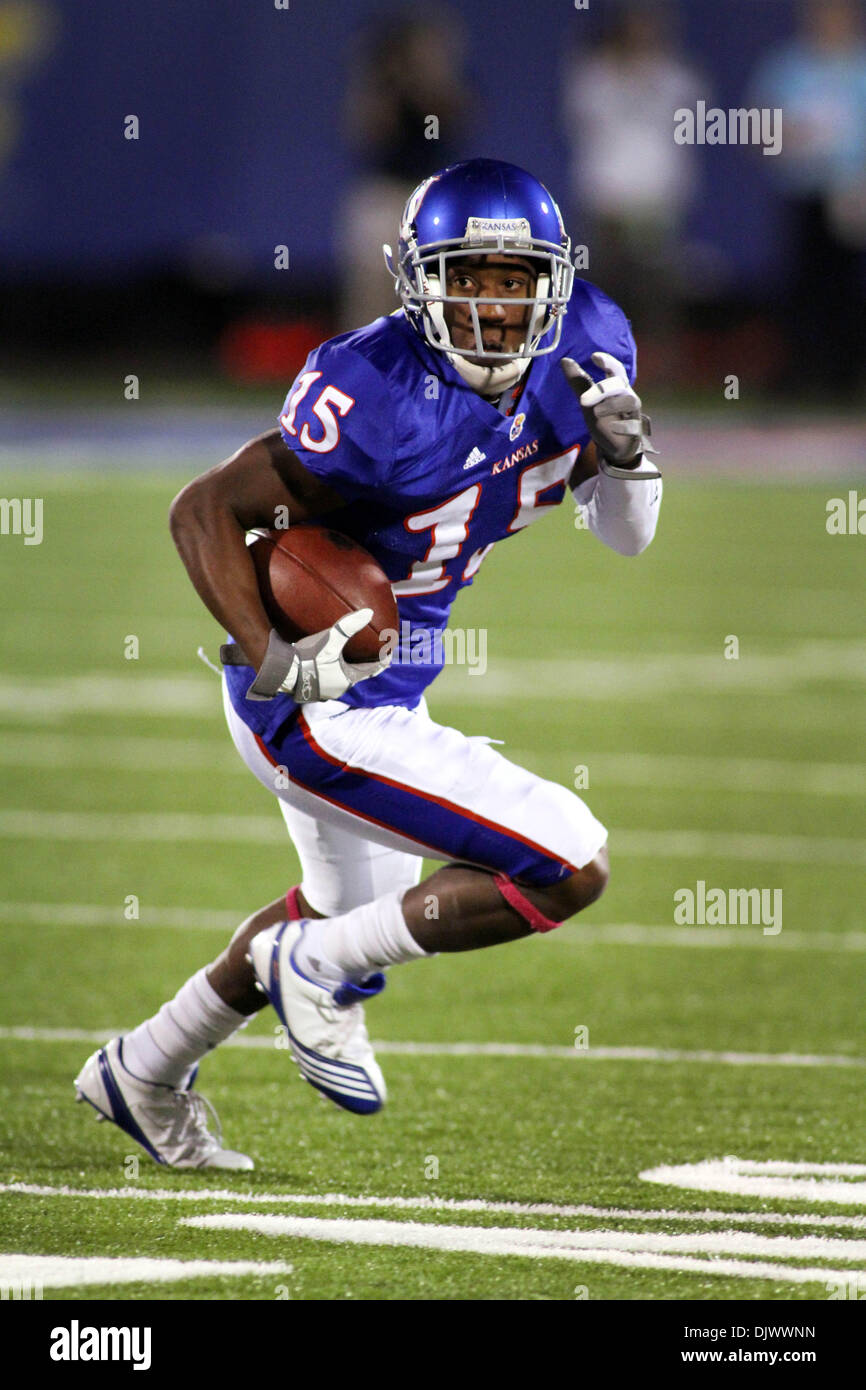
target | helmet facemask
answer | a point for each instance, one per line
(421, 273)
(421, 281)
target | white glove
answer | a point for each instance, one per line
(612, 411)
(313, 668)
(319, 671)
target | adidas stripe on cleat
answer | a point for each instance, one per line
(170, 1125)
(325, 1027)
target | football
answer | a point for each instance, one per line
(311, 576)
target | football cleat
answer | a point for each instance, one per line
(169, 1124)
(325, 1026)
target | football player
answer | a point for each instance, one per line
(429, 435)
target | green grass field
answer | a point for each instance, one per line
(120, 781)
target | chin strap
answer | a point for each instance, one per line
(489, 381)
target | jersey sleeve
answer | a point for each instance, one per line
(614, 335)
(624, 346)
(604, 326)
(338, 419)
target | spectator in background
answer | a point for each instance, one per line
(819, 81)
(406, 109)
(632, 186)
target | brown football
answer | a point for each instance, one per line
(310, 577)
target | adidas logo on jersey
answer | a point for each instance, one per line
(475, 457)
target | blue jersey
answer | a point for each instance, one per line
(433, 473)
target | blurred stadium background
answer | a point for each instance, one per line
(153, 259)
(306, 127)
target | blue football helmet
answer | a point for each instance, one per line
(482, 207)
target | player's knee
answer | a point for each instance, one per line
(595, 877)
(585, 886)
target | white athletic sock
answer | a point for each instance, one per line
(349, 947)
(167, 1046)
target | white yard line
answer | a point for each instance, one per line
(783, 1169)
(721, 844)
(135, 754)
(647, 1251)
(178, 827)
(105, 915)
(576, 934)
(619, 1054)
(475, 1049)
(141, 754)
(155, 827)
(638, 934)
(800, 1182)
(612, 676)
(434, 1204)
(65, 1272)
(580, 677)
(33, 700)
(684, 771)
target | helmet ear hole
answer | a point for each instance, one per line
(436, 310)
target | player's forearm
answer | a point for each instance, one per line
(210, 518)
(212, 546)
(622, 512)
